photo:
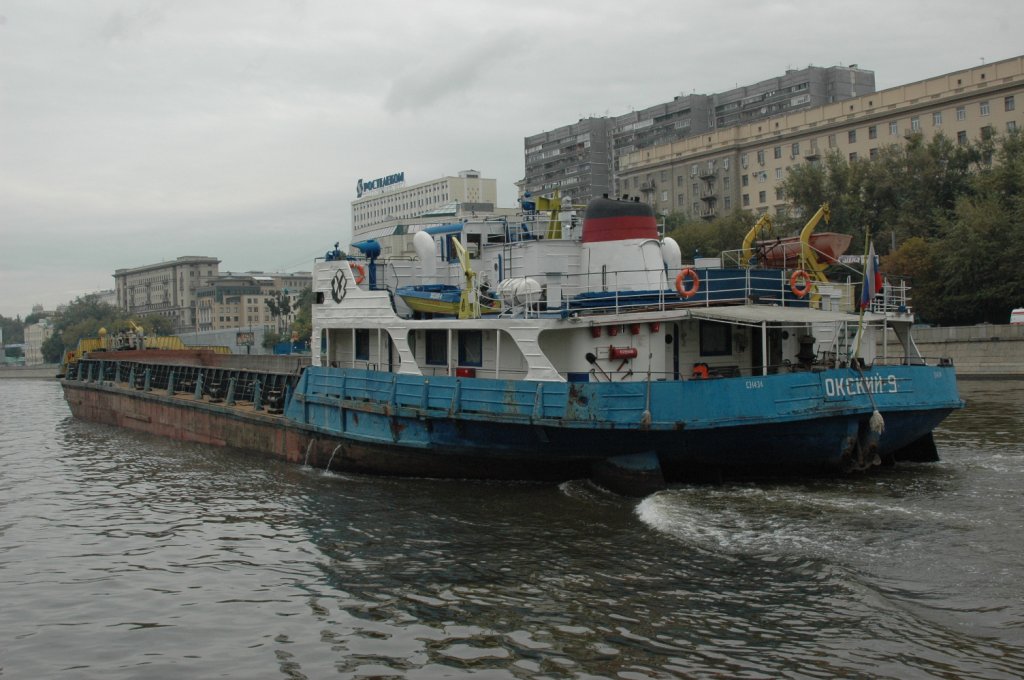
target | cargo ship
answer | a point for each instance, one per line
(579, 344)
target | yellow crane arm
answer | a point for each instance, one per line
(808, 260)
(469, 301)
(762, 224)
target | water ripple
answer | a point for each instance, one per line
(124, 555)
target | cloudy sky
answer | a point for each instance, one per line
(136, 131)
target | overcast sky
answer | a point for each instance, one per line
(136, 131)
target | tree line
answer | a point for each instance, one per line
(948, 216)
(86, 315)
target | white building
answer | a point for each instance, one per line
(35, 335)
(383, 203)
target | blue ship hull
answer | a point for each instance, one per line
(472, 427)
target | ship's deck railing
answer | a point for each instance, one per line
(616, 291)
(215, 384)
(624, 291)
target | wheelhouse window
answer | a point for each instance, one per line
(363, 344)
(437, 348)
(715, 339)
(471, 344)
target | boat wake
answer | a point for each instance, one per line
(779, 522)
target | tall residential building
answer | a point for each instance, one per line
(744, 166)
(383, 203)
(806, 88)
(167, 288)
(574, 160)
(582, 160)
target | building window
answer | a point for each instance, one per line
(726, 183)
(961, 137)
(664, 196)
(680, 200)
(437, 348)
(872, 132)
(762, 177)
(778, 152)
(725, 163)
(986, 132)
(762, 196)
(664, 175)
(832, 141)
(693, 189)
(471, 345)
(743, 161)
(363, 344)
(853, 156)
(778, 173)
(745, 180)
(728, 202)
(851, 136)
(961, 113)
(937, 118)
(894, 128)
(1011, 125)
(1008, 103)
(984, 108)
(680, 180)
(778, 193)
(693, 170)
(760, 156)
(795, 150)
(746, 200)
(696, 208)
(873, 153)
(915, 124)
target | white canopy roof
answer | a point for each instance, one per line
(756, 314)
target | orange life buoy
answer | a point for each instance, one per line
(361, 275)
(700, 371)
(798, 276)
(684, 291)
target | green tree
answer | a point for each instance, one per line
(700, 238)
(154, 324)
(977, 271)
(303, 324)
(279, 304)
(13, 330)
(271, 338)
(82, 318)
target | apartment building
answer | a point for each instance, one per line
(744, 166)
(166, 288)
(381, 204)
(573, 160)
(581, 160)
(239, 301)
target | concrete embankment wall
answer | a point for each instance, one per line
(40, 372)
(984, 351)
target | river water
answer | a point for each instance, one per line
(127, 556)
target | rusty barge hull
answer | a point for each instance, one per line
(181, 417)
